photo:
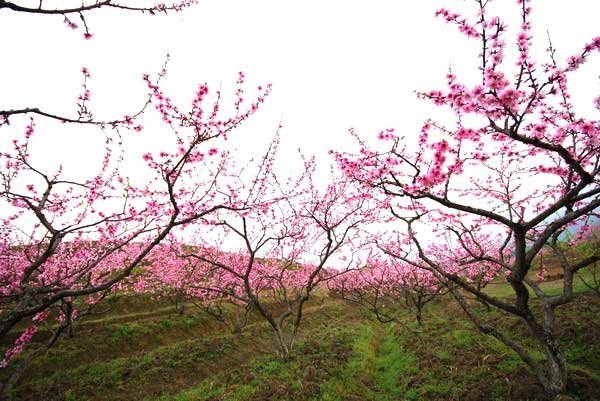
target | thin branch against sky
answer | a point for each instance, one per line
(334, 65)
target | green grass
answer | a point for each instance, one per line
(342, 354)
(502, 289)
(204, 391)
(349, 379)
(395, 367)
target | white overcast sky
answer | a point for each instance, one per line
(334, 64)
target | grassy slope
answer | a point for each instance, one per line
(150, 354)
(500, 288)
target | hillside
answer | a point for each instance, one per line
(144, 351)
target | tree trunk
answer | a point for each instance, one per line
(69, 318)
(551, 373)
(554, 375)
(418, 316)
(282, 348)
(180, 304)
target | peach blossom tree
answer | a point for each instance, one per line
(490, 188)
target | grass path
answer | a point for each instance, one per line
(378, 368)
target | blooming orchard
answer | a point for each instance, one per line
(513, 170)
(282, 247)
(385, 286)
(484, 196)
(89, 234)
